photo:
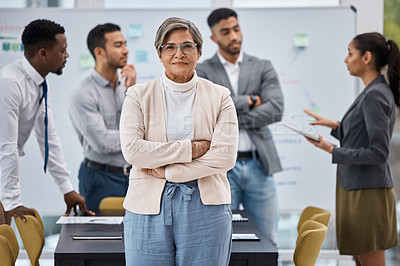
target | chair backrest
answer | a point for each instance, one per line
(315, 214)
(2, 214)
(112, 203)
(32, 235)
(9, 247)
(6, 255)
(309, 242)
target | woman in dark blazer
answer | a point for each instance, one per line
(365, 199)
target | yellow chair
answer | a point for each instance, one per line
(309, 242)
(9, 247)
(2, 214)
(112, 203)
(315, 214)
(6, 255)
(32, 235)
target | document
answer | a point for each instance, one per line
(98, 236)
(300, 131)
(90, 220)
(245, 237)
(239, 218)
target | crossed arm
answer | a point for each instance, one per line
(178, 156)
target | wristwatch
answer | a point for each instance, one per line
(254, 101)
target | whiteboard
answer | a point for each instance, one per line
(314, 76)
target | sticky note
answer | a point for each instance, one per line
(6, 46)
(135, 30)
(316, 110)
(15, 47)
(86, 61)
(141, 56)
(301, 40)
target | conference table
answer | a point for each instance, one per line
(71, 252)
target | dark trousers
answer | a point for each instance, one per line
(95, 185)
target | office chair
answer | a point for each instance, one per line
(112, 203)
(9, 247)
(314, 214)
(2, 214)
(309, 242)
(32, 235)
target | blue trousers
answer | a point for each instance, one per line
(95, 185)
(185, 232)
(256, 190)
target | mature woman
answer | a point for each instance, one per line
(365, 200)
(180, 133)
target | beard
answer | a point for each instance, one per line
(115, 64)
(60, 70)
(228, 48)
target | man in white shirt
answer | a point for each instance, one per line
(23, 105)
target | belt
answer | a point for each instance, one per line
(247, 155)
(108, 168)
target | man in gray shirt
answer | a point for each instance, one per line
(95, 109)
(258, 99)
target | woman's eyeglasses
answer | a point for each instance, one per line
(172, 48)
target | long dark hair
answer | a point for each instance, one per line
(385, 52)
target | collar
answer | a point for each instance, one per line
(226, 62)
(31, 71)
(103, 82)
(179, 87)
(378, 79)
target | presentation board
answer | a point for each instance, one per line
(307, 46)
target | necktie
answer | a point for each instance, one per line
(46, 122)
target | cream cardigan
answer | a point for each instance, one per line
(144, 145)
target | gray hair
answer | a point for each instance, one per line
(173, 23)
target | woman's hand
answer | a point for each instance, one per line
(321, 121)
(322, 144)
(158, 172)
(199, 148)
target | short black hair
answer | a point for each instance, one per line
(96, 36)
(219, 14)
(40, 33)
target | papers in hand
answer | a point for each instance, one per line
(300, 131)
(90, 220)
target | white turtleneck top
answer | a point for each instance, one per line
(179, 105)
